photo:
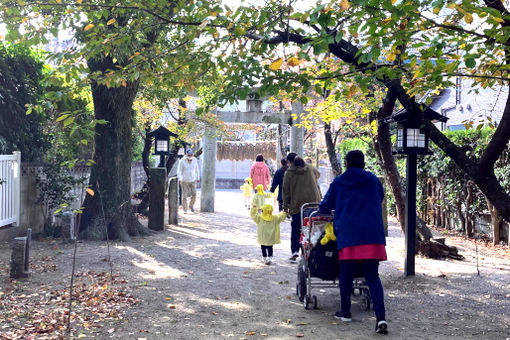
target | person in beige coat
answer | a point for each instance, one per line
(268, 229)
(299, 187)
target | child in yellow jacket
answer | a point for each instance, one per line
(268, 229)
(259, 199)
(247, 189)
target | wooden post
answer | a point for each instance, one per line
(157, 199)
(19, 245)
(27, 250)
(173, 201)
(410, 225)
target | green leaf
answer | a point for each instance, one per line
(470, 62)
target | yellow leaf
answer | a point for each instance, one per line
(387, 20)
(124, 83)
(498, 19)
(1, 37)
(180, 82)
(436, 10)
(293, 61)
(81, 335)
(275, 65)
(468, 18)
(79, 1)
(344, 4)
(105, 286)
(393, 2)
(89, 26)
(250, 333)
(111, 21)
(59, 1)
(90, 192)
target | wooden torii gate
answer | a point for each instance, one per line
(252, 115)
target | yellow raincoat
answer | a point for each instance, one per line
(268, 225)
(260, 197)
(247, 189)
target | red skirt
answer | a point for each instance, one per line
(363, 252)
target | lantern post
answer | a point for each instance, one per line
(412, 140)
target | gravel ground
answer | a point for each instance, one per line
(204, 279)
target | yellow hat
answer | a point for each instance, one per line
(267, 212)
(260, 189)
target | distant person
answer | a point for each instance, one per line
(268, 229)
(278, 182)
(188, 175)
(299, 187)
(356, 196)
(247, 189)
(259, 173)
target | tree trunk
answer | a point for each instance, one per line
(495, 222)
(330, 145)
(110, 176)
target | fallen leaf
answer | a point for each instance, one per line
(81, 335)
(168, 298)
(171, 306)
(288, 297)
(300, 335)
(111, 330)
(250, 333)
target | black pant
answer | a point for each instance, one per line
(267, 251)
(295, 232)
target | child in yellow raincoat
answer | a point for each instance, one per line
(268, 229)
(259, 199)
(247, 189)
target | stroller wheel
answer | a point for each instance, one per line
(301, 281)
(365, 303)
(314, 302)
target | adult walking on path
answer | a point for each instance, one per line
(259, 173)
(299, 187)
(278, 182)
(356, 196)
(188, 175)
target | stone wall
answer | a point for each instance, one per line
(32, 214)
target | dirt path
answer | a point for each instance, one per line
(204, 279)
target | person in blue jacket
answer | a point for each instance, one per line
(278, 182)
(356, 197)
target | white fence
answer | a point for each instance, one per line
(10, 179)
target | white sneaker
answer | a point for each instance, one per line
(269, 260)
(264, 259)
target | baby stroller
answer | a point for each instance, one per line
(318, 266)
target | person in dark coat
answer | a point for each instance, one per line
(356, 197)
(278, 182)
